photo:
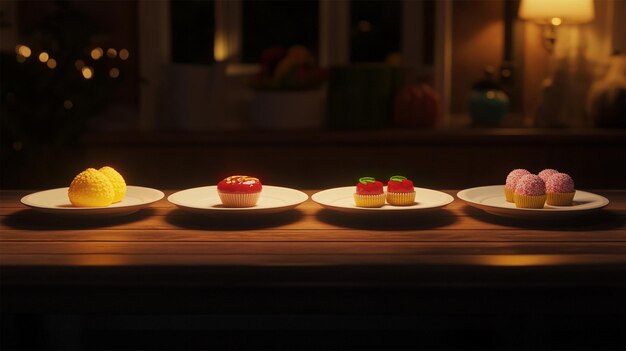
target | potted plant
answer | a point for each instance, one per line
(289, 92)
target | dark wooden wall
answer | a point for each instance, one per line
(446, 159)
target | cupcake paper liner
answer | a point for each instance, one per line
(369, 200)
(401, 199)
(239, 200)
(560, 199)
(529, 201)
(509, 194)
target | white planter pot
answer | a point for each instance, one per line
(288, 110)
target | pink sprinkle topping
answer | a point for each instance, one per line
(530, 184)
(560, 183)
(547, 173)
(514, 176)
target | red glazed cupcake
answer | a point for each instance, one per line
(239, 191)
(400, 191)
(369, 193)
(511, 181)
(560, 190)
(530, 192)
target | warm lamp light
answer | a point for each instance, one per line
(557, 12)
(553, 13)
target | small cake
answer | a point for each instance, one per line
(546, 173)
(239, 191)
(530, 192)
(91, 188)
(400, 191)
(119, 185)
(511, 181)
(560, 190)
(369, 193)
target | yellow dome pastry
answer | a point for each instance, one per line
(91, 188)
(119, 185)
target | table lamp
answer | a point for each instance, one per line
(553, 13)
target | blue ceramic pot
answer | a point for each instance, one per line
(487, 107)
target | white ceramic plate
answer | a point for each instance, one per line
(56, 201)
(205, 200)
(342, 200)
(491, 199)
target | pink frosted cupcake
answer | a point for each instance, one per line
(530, 192)
(511, 181)
(560, 190)
(547, 173)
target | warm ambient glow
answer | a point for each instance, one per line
(519, 260)
(23, 50)
(111, 52)
(220, 49)
(557, 12)
(364, 26)
(124, 54)
(96, 53)
(114, 72)
(87, 72)
(52, 63)
(43, 57)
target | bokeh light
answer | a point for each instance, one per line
(68, 104)
(23, 50)
(114, 72)
(124, 54)
(96, 53)
(111, 52)
(52, 63)
(43, 57)
(87, 72)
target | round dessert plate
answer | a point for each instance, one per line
(491, 199)
(56, 201)
(205, 200)
(342, 200)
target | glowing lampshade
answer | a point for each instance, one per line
(557, 12)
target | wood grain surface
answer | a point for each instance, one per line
(309, 235)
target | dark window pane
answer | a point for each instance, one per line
(375, 29)
(192, 29)
(429, 32)
(278, 23)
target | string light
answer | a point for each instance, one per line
(87, 72)
(23, 50)
(111, 52)
(114, 72)
(52, 63)
(124, 54)
(97, 53)
(43, 57)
